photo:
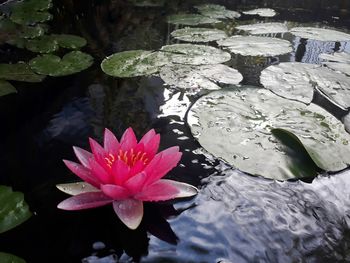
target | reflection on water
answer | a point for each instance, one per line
(235, 218)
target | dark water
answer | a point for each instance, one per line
(235, 218)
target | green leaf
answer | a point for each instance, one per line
(256, 46)
(217, 11)
(340, 61)
(31, 12)
(52, 65)
(6, 88)
(44, 44)
(189, 34)
(191, 20)
(243, 122)
(263, 12)
(69, 41)
(19, 72)
(320, 34)
(264, 28)
(148, 3)
(13, 209)
(8, 258)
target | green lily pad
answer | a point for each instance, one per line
(320, 34)
(52, 65)
(239, 126)
(44, 44)
(70, 41)
(9, 258)
(297, 81)
(339, 61)
(189, 34)
(19, 72)
(31, 12)
(148, 3)
(199, 77)
(13, 209)
(133, 63)
(33, 31)
(263, 12)
(191, 20)
(217, 11)
(191, 54)
(264, 28)
(256, 46)
(6, 88)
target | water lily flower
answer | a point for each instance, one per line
(124, 174)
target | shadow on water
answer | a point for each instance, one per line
(235, 217)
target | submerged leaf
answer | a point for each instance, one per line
(256, 46)
(297, 81)
(242, 122)
(13, 209)
(9, 258)
(6, 88)
(264, 28)
(263, 12)
(321, 34)
(19, 72)
(191, 20)
(52, 65)
(196, 34)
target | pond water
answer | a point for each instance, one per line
(236, 217)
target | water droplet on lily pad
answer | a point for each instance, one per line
(191, 20)
(196, 34)
(263, 12)
(217, 11)
(263, 134)
(70, 63)
(256, 46)
(19, 72)
(6, 88)
(264, 28)
(297, 81)
(320, 34)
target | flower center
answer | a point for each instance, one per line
(128, 157)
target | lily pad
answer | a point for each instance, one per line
(19, 72)
(320, 34)
(256, 46)
(243, 123)
(264, 28)
(263, 12)
(9, 258)
(200, 77)
(189, 34)
(6, 88)
(191, 54)
(340, 61)
(217, 11)
(52, 65)
(44, 44)
(13, 209)
(191, 20)
(32, 31)
(147, 3)
(297, 81)
(70, 41)
(31, 12)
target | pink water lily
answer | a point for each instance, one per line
(124, 173)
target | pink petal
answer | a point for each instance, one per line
(184, 190)
(168, 160)
(135, 183)
(83, 156)
(99, 172)
(151, 148)
(98, 151)
(116, 192)
(128, 140)
(148, 137)
(129, 211)
(158, 191)
(138, 167)
(85, 201)
(120, 172)
(84, 173)
(111, 144)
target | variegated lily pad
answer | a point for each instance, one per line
(264, 28)
(256, 46)
(217, 11)
(297, 81)
(196, 34)
(191, 20)
(339, 61)
(6, 88)
(200, 77)
(320, 34)
(52, 65)
(263, 12)
(240, 127)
